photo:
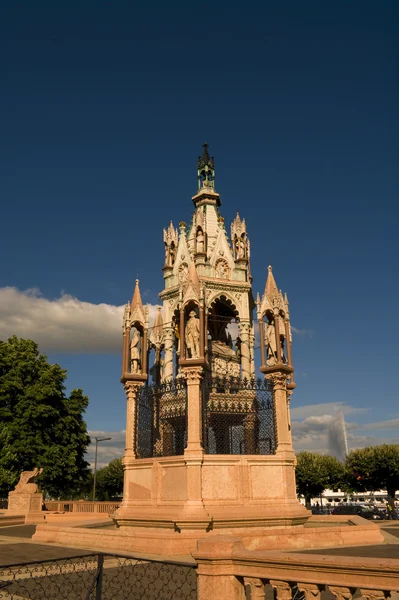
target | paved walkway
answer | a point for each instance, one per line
(16, 546)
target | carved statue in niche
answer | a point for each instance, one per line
(271, 345)
(170, 254)
(192, 336)
(183, 272)
(200, 241)
(135, 352)
(236, 247)
(222, 269)
(26, 484)
(242, 247)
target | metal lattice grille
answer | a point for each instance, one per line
(162, 419)
(238, 416)
(99, 577)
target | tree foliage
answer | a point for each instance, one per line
(109, 480)
(39, 425)
(374, 468)
(315, 473)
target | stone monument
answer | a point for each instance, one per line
(208, 445)
(26, 498)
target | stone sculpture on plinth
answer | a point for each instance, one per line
(26, 497)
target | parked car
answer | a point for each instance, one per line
(367, 513)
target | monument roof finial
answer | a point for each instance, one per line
(206, 169)
(205, 159)
(136, 299)
(271, 287)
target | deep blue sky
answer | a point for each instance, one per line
(104, 107)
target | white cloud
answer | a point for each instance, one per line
(328, 408)
(107, 450)
(308, 332)
(65, 324)
(391, 424)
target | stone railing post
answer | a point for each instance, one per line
(256, 586)
(214, 583)
(374, 594)
(341, 593)
(311, 591)
(282, 588)
(220, 587)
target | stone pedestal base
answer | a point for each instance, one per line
(24, 503)
(181, 499)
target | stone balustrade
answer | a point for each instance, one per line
(226, 571)
(79, 506)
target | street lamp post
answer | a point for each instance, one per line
(98, 439)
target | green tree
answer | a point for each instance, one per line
(109, 480)
(375, 468)
(314, 473)
(39, 425)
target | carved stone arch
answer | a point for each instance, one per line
(137, 324)
(268, 315)
(224, 297)
(190, 300)
(222, 311)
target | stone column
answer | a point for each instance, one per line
(250, 433)
(182, 334)
(202, 330)
(252, 351)
(262, 342)
(132, 392)
(277, 332)
(168, 365)
(245, 355)
(144, 352)
(194, 452)
(126, 351)
(194, 410)
(288, 342)
(280, 411)
(167, 439)
(289, 394)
